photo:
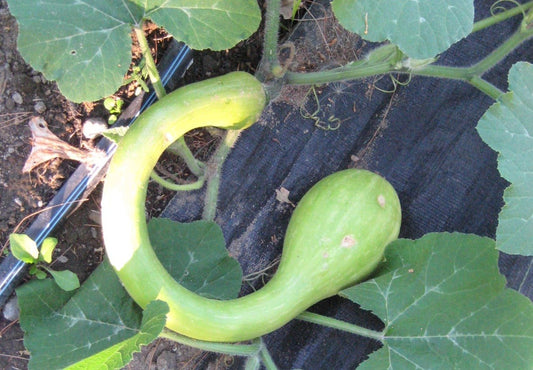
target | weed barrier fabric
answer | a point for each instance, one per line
(421, 137)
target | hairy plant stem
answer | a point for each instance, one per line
(178, 187)
(347, 72)
(252, 363)
(470, 74)
(266, 359)
(339, 324)
(214, 170)
(269, 62)
(251, 349)
(179, 147)
(473, 73)
(500, 17)
(155, 78)
(256, 351)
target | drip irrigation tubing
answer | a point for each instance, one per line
(174, 64)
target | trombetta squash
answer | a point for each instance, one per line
(336, 235)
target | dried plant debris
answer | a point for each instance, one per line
(47, 146)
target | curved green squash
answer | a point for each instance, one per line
(336, 235)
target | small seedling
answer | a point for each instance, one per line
(25, 249)
(114, 107)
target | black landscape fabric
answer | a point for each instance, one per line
(421, 137)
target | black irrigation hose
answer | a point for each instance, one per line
(176, 61)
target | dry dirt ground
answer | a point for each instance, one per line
(25, 93)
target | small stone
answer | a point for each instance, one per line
(37, 79)
(11, 309)
(18, 201)
(93, 127)
(62, 259)
(17, 98)
(39, 107)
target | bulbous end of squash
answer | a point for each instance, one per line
(338, 232)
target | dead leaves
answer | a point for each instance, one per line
(47, 146)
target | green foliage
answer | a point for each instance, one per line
(195, 255)
(99, 325)
(117, 356)
(422, 29)
(25, 249)
(507, 127)
(66, 279)
(445, 305)
(86, 46)
(62, 328)
(114, 107)
(205, 24)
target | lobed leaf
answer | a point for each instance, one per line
(86, 45)
(507, 127)
(421, 28)
(206, 24)
(115, 357)
(445, 305)
(100, 326)
(62, 328)
(195, 255)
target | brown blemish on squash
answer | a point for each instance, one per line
(381, 201)
(348, 241)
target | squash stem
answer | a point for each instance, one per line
(269, 62)
(502, 16)
(178, 187)
(179, 147)
(252, 363)
(266, 358)
(155, 78)
(233, 349)
(215, 170)
(341, 325)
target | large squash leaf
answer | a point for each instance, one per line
(507, 127)
(62, 328)
(445, 305)
(195, 255)
(206, 24)
(86, 45)
(99, 325)
(421, 28)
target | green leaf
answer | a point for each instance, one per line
(115, 357)
(195, 255)
(47, 249)
(62, 328)
(65, 279)
(422, 28)
(507, 127)
(206, 24)
(23, 248)
(84, 46)
(445, 305)
(109, 103)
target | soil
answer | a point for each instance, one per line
(25, 93)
